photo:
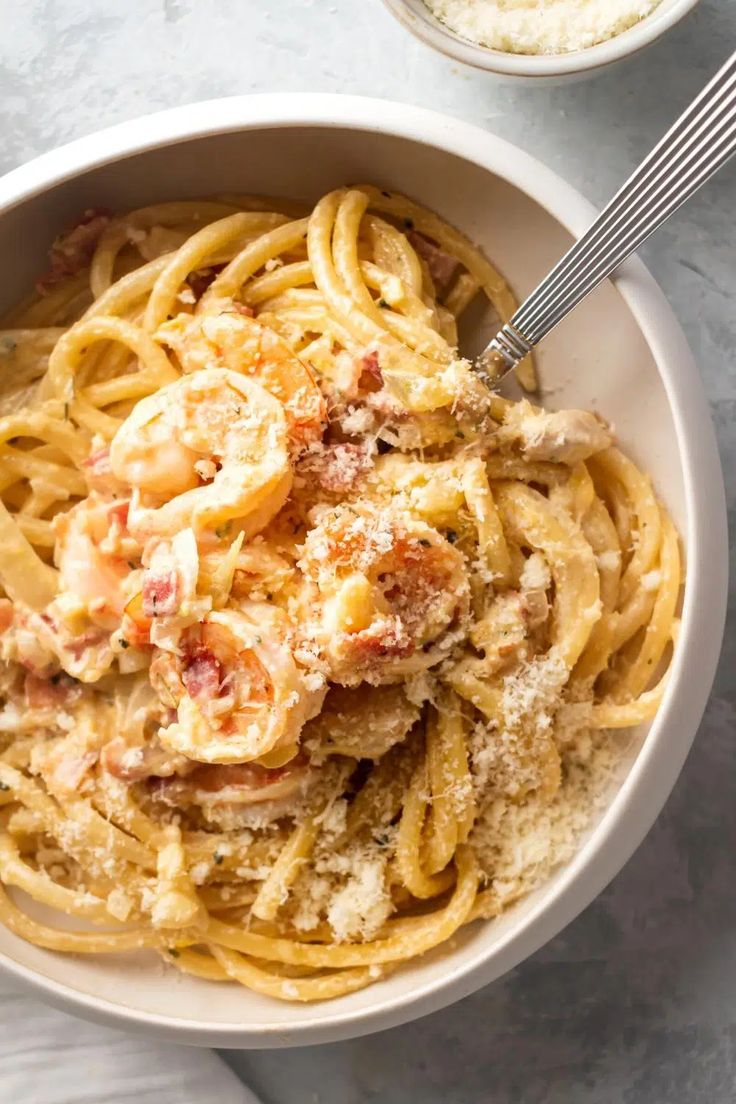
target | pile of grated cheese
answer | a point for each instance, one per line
(540, 26)
(519, 843)
(349, 888)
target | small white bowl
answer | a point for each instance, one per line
(621, 351)
(417, 18)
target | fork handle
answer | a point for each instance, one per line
(699, 143)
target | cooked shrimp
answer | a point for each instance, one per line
(237, 691)
(229, 339)
(385, 592)
(207, 452)
(94, 554)
(96, 557)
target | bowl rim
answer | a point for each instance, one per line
(640, 798)
(425, 26)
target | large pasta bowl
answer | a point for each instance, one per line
(622, 352)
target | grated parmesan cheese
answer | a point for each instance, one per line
(363, 904)
(535, 574)
(347, 887)
(421, 688)
(200, 872)
(609, 561)
(357, 420)
(530, 693)
(119, 904)
(519, 844)
(333, 819)
(540, 26)
(652, 580)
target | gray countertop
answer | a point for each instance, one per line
(635, 1003)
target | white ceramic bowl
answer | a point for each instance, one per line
(622, 351)
(417, 18)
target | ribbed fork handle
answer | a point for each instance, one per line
(699, 143)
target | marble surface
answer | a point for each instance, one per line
(635, 1003)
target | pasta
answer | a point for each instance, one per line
(303, 631)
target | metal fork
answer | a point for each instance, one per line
(699, 143)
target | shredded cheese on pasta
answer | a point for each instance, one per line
(310, 646)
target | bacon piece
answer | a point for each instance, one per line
(161, 593)
(44, 693)
(202, 676)
(118, 512)
(98, 462)
(442, 266)
(90, 639)
(6, 614)
(244, 309)
(371, 376)
(99, 475)
(72, 251)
